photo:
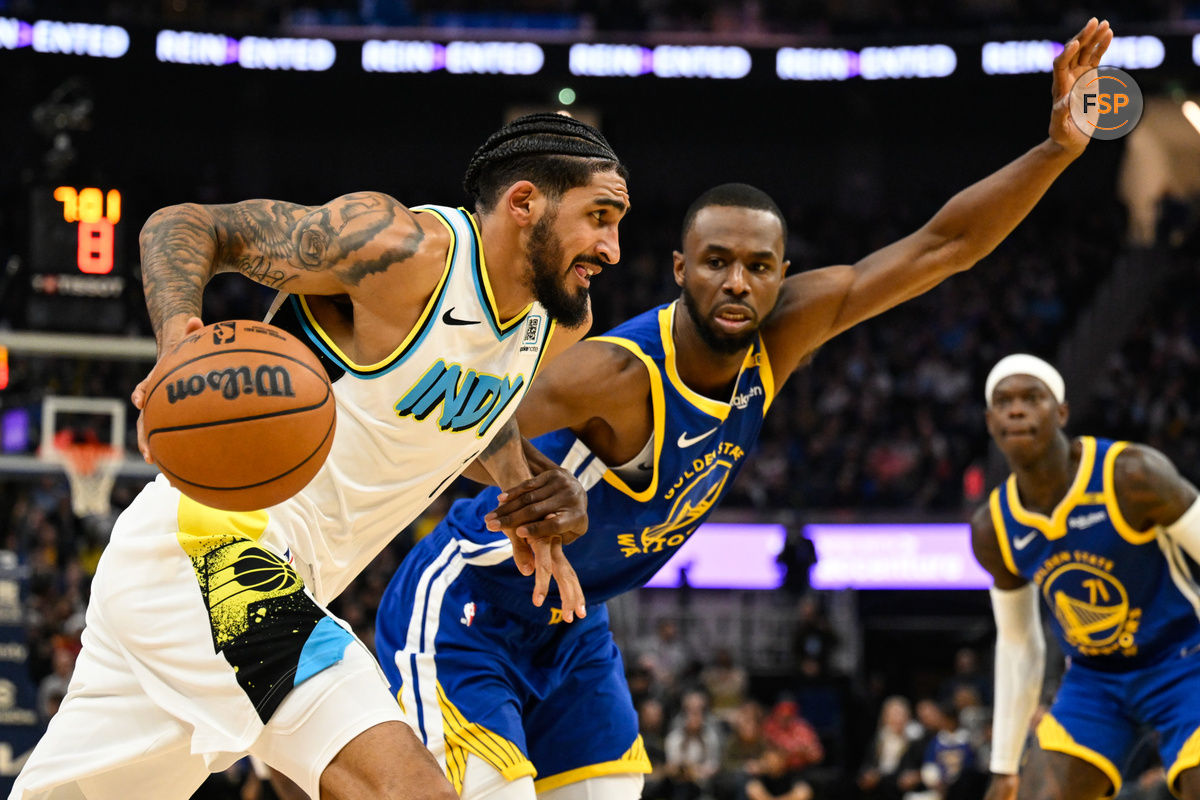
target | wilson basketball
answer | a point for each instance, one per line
(240, 416)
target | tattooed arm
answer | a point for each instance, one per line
(327, 249)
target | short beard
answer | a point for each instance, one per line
(717, 341)
(545, 254)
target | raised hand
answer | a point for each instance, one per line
(1081, 54)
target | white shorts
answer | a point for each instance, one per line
(200, 647)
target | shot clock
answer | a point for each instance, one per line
(77, 275)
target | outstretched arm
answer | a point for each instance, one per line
(817, 305)
(1020, 657)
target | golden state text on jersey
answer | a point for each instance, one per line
(1118, 598)
(699, 445)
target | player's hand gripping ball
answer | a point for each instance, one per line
(240, 416)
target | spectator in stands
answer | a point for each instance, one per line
(741, 756)
(950, 768)
(881, 771)
(790, 733)
(777, 780)
(813, 639)
(693, 750)
(53, 687)
(725, 682)
(652, 722)
(665, 653)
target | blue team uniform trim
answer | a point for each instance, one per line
(324, 647)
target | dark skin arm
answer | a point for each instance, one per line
(816, 305)
(546, 493)
(1150, 490)
(987, 552)
(601, 392)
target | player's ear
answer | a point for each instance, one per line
(678, 260)
(783, 268)
(1064, 413)
(524, 203)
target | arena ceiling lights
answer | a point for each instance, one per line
(457, 58)
(580, 59)
(69, 38)
(249, 52)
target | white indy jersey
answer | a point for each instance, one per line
(407, 425)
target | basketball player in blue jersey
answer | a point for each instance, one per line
(655, 418)
(207, 636)
(1099, 530)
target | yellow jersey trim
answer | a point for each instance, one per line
(1110, 500)
(1189, 756)
(634, 760)
(1055, 526)
(658, 403)
(486, 285)
(1053, 736)
(200, 521)
(464, 737)
(541, 359)
(666, 325)
(765, 373)
(1001, 531)
(417, 327)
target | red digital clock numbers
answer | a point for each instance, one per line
(96, 212)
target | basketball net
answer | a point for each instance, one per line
(91, 469)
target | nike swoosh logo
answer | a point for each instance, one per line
(450, 320)
(688, 441)
(1023, 541)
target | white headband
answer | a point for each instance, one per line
(1025, 364)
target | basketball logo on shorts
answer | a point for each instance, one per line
(1092, 607)
(239, 580)
(224, 332)
(260, 571)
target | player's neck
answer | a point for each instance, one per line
(704, 370)
(1043, 482)
(507, 265)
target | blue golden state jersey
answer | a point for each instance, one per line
(699, 446)
(1119, 598)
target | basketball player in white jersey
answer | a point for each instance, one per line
(432, 322)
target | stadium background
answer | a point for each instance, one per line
(885, 426)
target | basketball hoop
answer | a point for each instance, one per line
(91, 469)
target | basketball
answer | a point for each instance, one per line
(240, 416)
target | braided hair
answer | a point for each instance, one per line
(555, 152)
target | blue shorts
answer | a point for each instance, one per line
(530, 698)
(1096, 715)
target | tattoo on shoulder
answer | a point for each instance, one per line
(357, 234)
